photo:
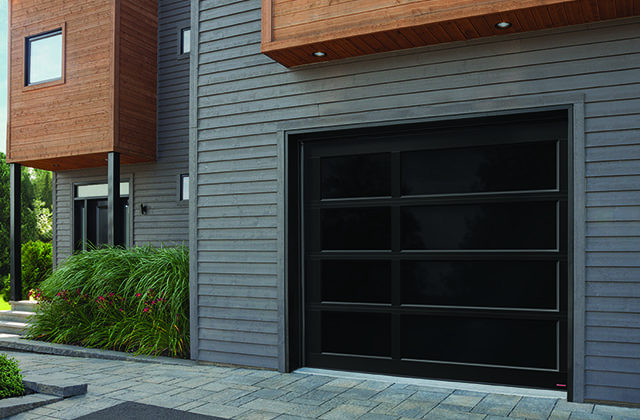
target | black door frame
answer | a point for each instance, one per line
(294, 245)
(81, 204)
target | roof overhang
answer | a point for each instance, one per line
(310, 31)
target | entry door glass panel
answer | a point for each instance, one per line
(99, 219)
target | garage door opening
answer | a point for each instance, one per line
(436, 250)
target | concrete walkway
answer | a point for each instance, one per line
(240, 393)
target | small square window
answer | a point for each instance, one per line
(44, 57)
(184, 187)
(185, 41)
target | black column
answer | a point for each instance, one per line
(15, 228)
(115, 211)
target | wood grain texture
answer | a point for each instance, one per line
(106, 99)
(292, 31)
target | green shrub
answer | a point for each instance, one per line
(134, 299)
(10, 378)
(36, 264)
(5, 287)
(36, 261)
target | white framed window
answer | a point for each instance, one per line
(184, 187)
(185, 40)
(44, 57)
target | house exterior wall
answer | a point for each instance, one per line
(105, 98)
(243, 105)
(155, 184)
(84, 87)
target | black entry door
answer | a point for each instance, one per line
(436, 250)
(91, 222)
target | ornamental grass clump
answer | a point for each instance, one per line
(134, 300)
(10, 378)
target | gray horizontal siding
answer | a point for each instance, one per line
(245, 101)
(156, 184)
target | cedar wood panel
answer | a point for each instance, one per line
(110, 47)
(64, 119)
(292, 31)
(154, 184)
(245, 103)
(137, 71)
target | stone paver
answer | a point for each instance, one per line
(497, 405)
(533, 408)
(246, 394)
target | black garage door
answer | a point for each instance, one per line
(437, 250)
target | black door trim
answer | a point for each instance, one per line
(294, 170)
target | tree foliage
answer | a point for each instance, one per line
(37, 264)
(4, 216)
(36, 209)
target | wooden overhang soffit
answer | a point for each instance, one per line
(311, 31)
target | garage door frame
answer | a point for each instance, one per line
(293, 322)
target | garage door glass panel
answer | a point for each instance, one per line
(492, 168)
(527, 343)
(367, 334)
(356, 228)
(356, 281)
(530, 225)
(356, 176)
(489, 284)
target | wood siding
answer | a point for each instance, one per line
(136, 76)
(246, 103)
(62, 119)
(292, 31)
(154, 184)
(105, 101)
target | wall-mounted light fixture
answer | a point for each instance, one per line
(503, 25)
(143, 209)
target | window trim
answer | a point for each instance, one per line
(180, 196)
(62, 28)
(180, 34)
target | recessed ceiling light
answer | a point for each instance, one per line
(319, 54)
(503, 25)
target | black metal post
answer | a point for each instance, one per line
(115, 212)
(15, 228)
